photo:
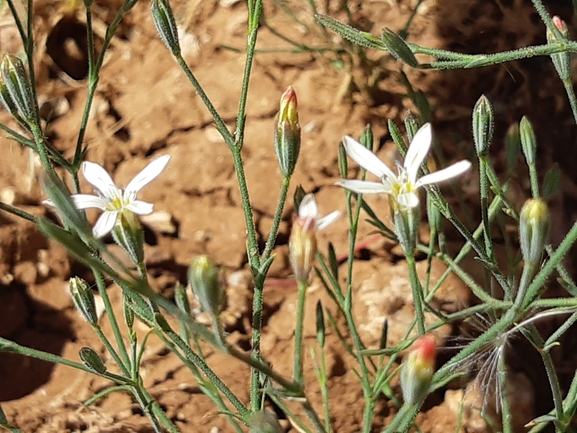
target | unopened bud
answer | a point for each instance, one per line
(19, 88)
(534, 226)
(288, 133)
(165, 24)
(264, 422)
(482, 125)
(398, 48)
(83, 299)
(418, 369)
(303, 238)
(562, 60)
(204, 278)
(92, 360)
(528, 140)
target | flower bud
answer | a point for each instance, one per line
(204, 278)
(398, 48)
(483, 125)
(288, 133)
(561, 61)
(92, 360)
(528, 140)
(418, 369)
(264, 422)
(19, 88)
(534, 226)
(303, 247)
(320, 324)
(165, 24)
(83, 299)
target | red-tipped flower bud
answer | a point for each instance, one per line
(288, 133)
(418, 369)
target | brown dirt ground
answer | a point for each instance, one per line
(145, 107)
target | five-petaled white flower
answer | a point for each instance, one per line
(402, 186)
(113, 200)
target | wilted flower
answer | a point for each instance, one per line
(418, 368)
(303, 239)
(402, 186)
(114, 201)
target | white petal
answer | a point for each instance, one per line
(418, 151)
(367, 159)
(447, 173)
(87, 201)
(328, 220)
(104, 224)
(147, 174)
(365, 187)
(408, 200)
(48, 202)
(140, 207)
(308, 207)
(99, 178)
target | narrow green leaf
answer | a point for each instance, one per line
(351, 34)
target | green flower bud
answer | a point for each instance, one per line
(83, 299)
(204, 278)
(92, 360)
(528, 140)
(288, 133)
(418, 369)
(411, 124)
(343, 162)
(320, 322)
(165, 24)
(128, 234)
(19, 88)
(534, 227)
(264, 422)
(483, 125)
(561, 61)
(398, 48)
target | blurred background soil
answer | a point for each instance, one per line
(145, 108)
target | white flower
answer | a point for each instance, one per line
(402, 186)
(308, 215)
(113, 200)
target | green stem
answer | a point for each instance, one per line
(571, 96)
(506, 415)
(111, 350)
(111, 317)
(270, 242)
(298, 362)
(417, 291)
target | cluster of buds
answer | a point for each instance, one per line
(418, 369)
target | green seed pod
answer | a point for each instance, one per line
(483, 125)
(92, 360)
(534, 227)
(204, 278)
(165, 24)
(288, 133)
(83, 299)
